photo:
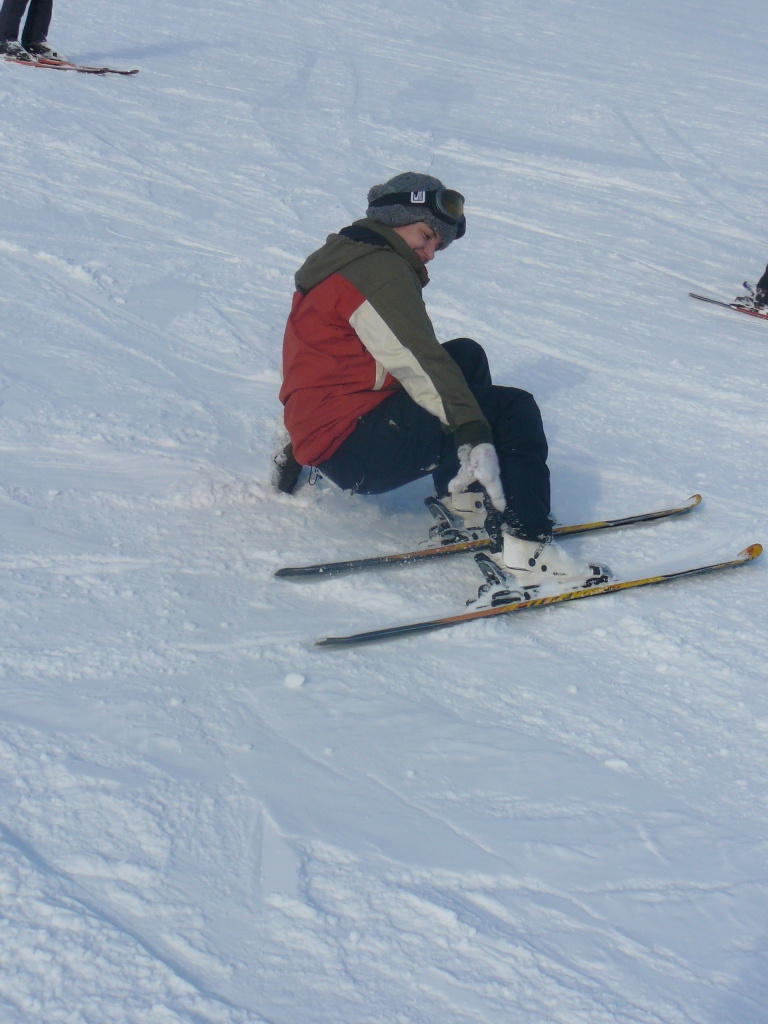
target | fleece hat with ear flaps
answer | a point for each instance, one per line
(418, 205)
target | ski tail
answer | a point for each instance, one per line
(713, 302)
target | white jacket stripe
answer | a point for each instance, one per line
(383, 344)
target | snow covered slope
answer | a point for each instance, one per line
(557, 818)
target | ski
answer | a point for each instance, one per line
(67, 65)
(749, 554)
(729, 305)
(423, 554)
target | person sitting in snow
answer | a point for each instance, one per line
(374, 401)
(33, 40)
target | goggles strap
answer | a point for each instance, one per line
(428, 199)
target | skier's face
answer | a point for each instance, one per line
(421, 238)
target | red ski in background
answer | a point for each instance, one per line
(730, 305)
(68, 65)
(752, 304)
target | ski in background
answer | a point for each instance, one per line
(760, 312)
(479, 543)
(68, 65)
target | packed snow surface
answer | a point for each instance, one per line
(556, 818)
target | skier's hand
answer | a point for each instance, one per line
(479, 463)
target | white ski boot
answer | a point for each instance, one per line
(10, 49)
(543, 564)
(46, 52)
(757, 300)
(458, 517)
(498, 588)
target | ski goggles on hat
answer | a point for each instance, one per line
(445, 203)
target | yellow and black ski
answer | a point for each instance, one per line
(749, 554)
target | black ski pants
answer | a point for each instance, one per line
(398, 442)
(36, 25)
(761, 291)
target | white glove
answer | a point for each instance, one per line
(479, 463)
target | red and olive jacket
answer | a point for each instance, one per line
(358, 331)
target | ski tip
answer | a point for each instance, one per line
(750, 553)
(694, 500)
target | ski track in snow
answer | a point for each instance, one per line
(556, 818)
